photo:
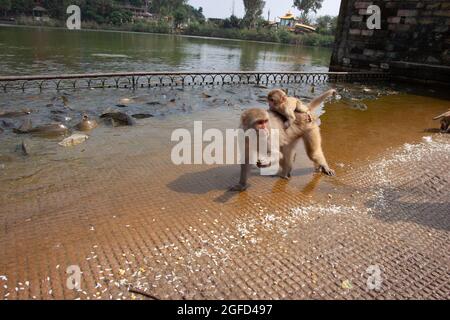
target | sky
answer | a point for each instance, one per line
(223, 8)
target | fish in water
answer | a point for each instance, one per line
(1, 130)
(24, 148)
(59, 118)
(121, 106)
(25, 127)
(360, 106)
(153, 103)
(57, 112)
(48, 129)
(64, 99)
(86, 124)
(142, 116)
(74, 140)
(14, 114)
(6, 124)
(125, 101)
(445, 121)
(118, 119)
(206, 96)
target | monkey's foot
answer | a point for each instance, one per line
(327, 171)
(239, 188)
(285, 176)
(265, 163)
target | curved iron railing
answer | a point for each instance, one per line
(136, 80)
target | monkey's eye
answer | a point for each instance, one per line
(261, 122)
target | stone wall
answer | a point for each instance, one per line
(412, 44)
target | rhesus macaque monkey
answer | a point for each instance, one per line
(255, 119)
(302, 127)
(445, 121)
(286, 106)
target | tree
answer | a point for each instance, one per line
(307, 6)
(326, 25)
(179, 16)
(22, 6)
(253, 10)
(194, 14)
(5, 6)
(305, 18)
(232, 22)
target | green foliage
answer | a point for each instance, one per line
(105, 11)
(232, 22)
(253, 10)
(5, 6)
(265, 35)
(19, 7)
(326, 25)
(308, 6)
(180, 16)
(105, 14)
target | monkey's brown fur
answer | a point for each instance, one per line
(445, 121)
(301, 128)
(286, 106)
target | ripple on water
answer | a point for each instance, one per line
(108, 55)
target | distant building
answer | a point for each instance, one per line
(287, 21)
(290, 22)
(40, 14)
(139, 13)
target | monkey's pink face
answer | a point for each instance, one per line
(276, 98)
(262, 124)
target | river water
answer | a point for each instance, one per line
(26, 51)
(389, 116)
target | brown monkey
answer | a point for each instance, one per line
(255, 119)
(302, 127)
(445, 121)
(286, 106)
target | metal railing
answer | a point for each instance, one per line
(135, 80)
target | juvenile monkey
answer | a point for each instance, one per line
(286, 106)
(445, 121)
(301, 128)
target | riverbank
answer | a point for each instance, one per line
(205, 30)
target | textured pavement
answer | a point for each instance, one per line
(176, 233)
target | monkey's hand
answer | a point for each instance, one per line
(327, 171)
(238, 188)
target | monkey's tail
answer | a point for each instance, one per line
(444, 115)
(321, 99)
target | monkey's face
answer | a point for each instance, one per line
(262, 125)
(276, 98)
